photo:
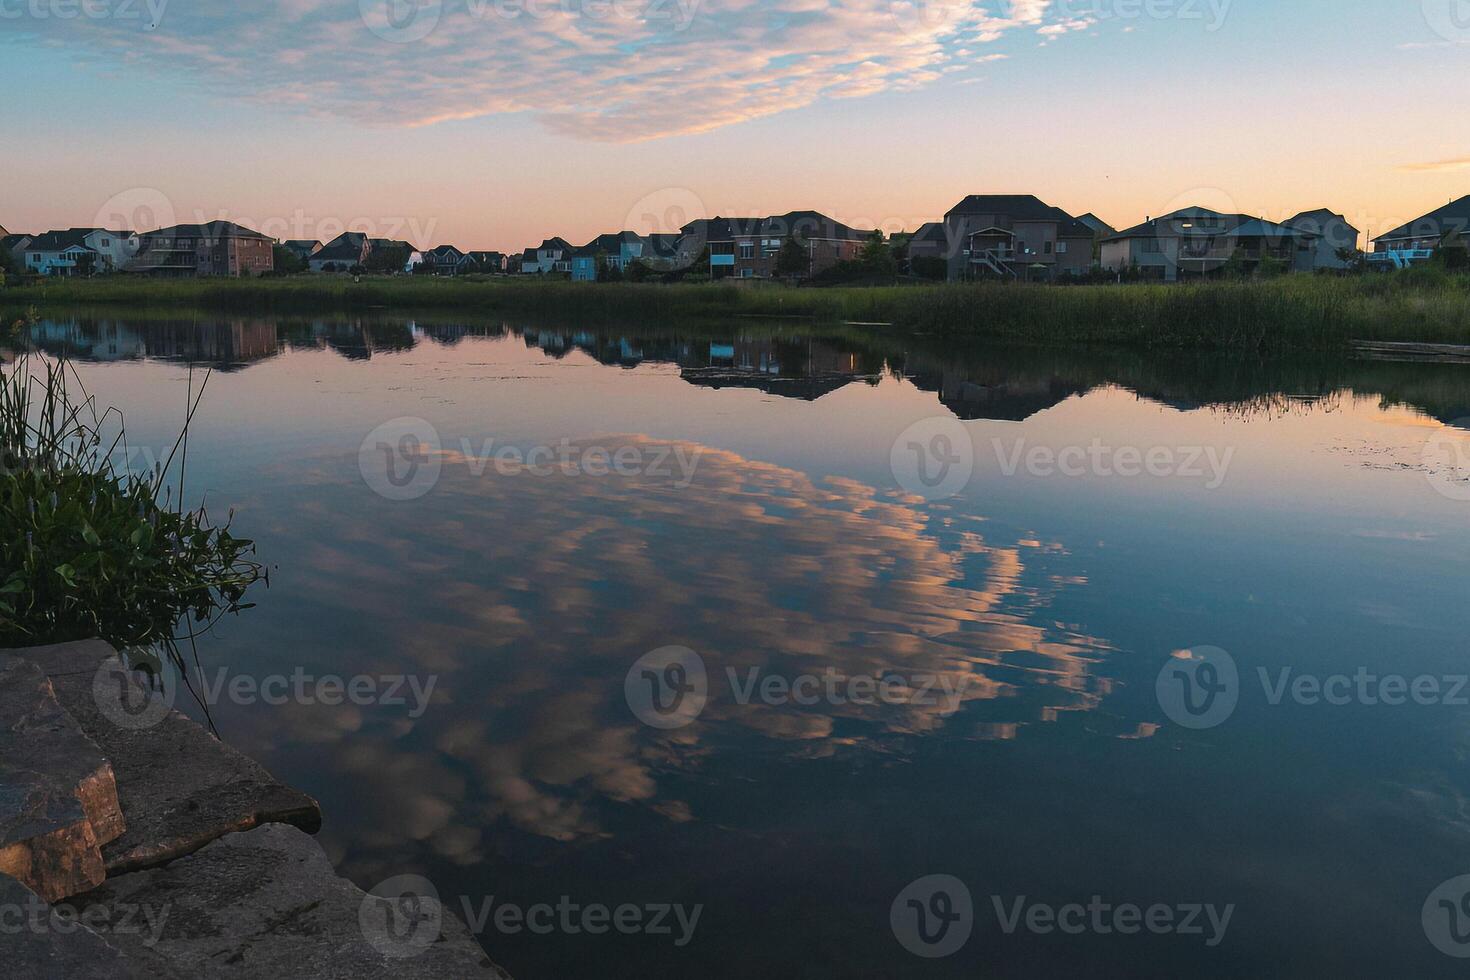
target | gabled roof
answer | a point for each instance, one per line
(802, 224)
(1453, 217)
(212, 229)
(612, 243)
(554, 243)
(343, 248)
(1237, 225)
(59, 241)
(441, 252)
(1098, 225)
(1020, 207)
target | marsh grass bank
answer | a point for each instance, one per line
(1287, 313)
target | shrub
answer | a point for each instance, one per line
(89, 550)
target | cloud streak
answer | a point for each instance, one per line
(1437, 166)
(606, 70)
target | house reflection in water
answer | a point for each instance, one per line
(226, 344)
(980, 391)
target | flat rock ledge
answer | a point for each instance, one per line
(180, 856)
(58, 794)
(267, 903)
(44, 942)
(180, 787)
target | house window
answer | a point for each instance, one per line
(1152, 246)
(747, 250)
(1047, 248)
(747, 273)
(1061, 248)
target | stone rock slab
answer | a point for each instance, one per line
(41, 942)
(267, 903)
(180, 788)
(58, 795)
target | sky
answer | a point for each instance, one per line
(492, 124)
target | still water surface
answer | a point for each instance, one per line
(1313, 533)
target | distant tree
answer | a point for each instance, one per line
(287, 261)
(608, 271)
(929, 267)
(391, 259)
(792, 259)
(638, 271)
(878, 256)
(1237, 266)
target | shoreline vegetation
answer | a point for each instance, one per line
(1321, 313)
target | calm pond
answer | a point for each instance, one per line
(933, 608)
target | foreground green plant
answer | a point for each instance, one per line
(89, 549)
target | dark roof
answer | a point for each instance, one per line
(377, 243)
(611, 243)
(480, 257)
(1243, 225)
(1020, 207)
(59, 241)
(440, 252)
(341, 249)
(802, 224)
(213, 229)
(1453, 217)
(1098, 225)
(301, 243)
(555, 243)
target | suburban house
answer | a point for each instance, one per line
(1198, 242)
(15, 247)
(218, 248)
(1336, 238)
(475, 261)
(78, 251)
(341, 254)
(61, 253)
(614, 251)
(746, 248)
(1417, 240)
(552, 255)
(301, 248)
(1013, 236)
(443, 260)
